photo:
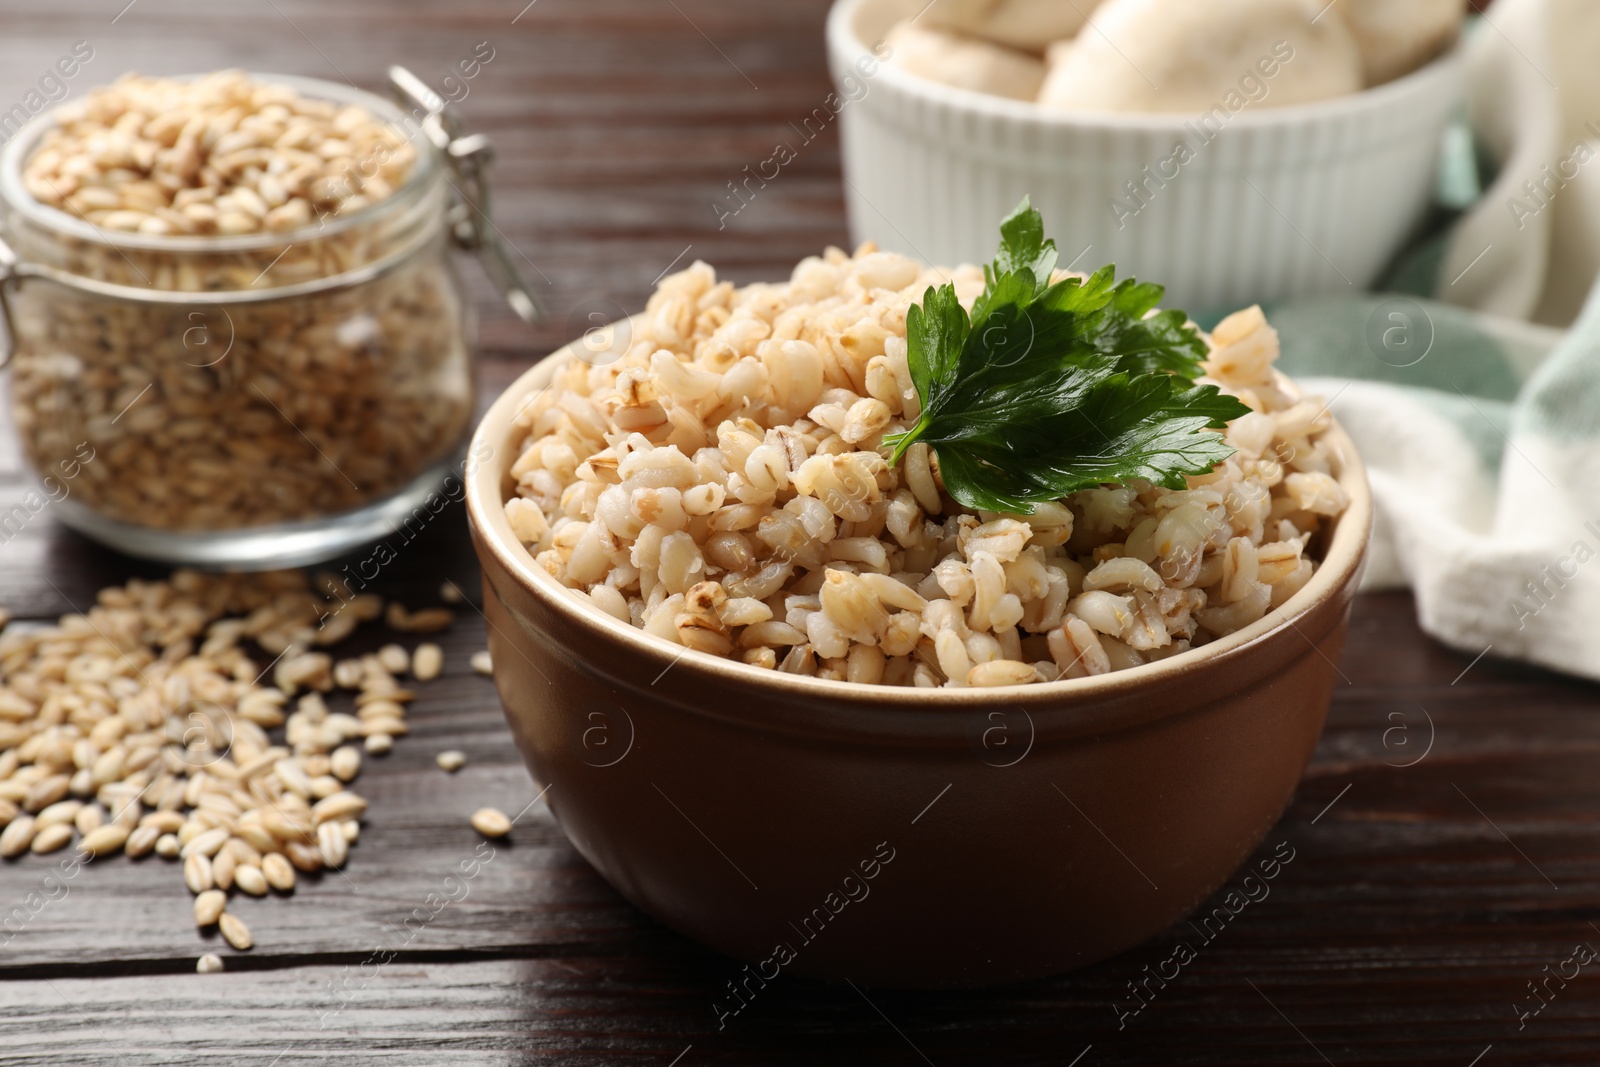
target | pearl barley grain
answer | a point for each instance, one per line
(338, 806)
(17, 836)
(52, 838)
(394, 659)
(278, 871)
(247, 817)
(223, 866)
(103, 840)
(427, 662)
(90, 818)
(210, 963)
(345, 763)
(141, 841)
(227, 155)
(332, 845)
(491, 822)
(94, 163)
(62, 811)
(451, 761)
(250, 879)
(197, 873)
(234, 931)
(206, 843)
(208, 907)
(422, 621)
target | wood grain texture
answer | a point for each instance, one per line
(1444, 843)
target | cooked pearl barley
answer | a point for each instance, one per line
(209, 963)
(451, 760)
(491, 822)
(723, 487)
(1002, 672)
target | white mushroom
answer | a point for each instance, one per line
(965, 63)
(1217, 56)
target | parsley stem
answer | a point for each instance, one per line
(906, 440)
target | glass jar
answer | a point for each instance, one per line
(262, 400)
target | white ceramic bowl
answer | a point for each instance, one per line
(1312, 199)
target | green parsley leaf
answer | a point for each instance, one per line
(1023, 246)
(1046, 389)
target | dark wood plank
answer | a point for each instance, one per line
(1250, 998)
(1405, 922)
(526, 894)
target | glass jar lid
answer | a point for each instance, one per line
(448, 184)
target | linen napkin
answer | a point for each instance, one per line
(1478, 410)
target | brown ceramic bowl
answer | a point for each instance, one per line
(902, 837)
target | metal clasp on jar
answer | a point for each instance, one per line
(471, 217)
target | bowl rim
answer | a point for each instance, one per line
(486, 474)
(847, 47)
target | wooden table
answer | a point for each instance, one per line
(1444, 836)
